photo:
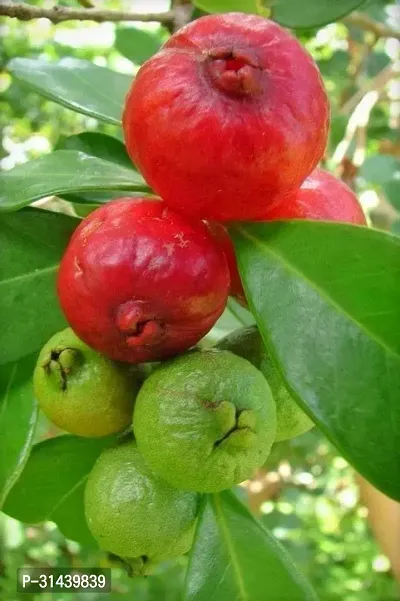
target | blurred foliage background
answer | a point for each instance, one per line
(307, 494)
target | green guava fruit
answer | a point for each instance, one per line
(205, 421)
(291, 419)
(81, 391)
(133, 513)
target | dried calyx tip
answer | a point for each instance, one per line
(60, 362)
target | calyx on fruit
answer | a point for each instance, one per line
(247, 343)
(139, 282)
(81, 391)
(133, 513)
(228, 117)
(205, 421)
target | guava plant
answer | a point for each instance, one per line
(215, 191)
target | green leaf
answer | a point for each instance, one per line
(380, 169)
(31, 245)
(52, 485)
(392, 192)
(234, 558)
(222, 6)
(137, 45)
(18, 415)
(326, 298)
(100, 146)
(64, 171)
(313, 13)
(97, 145)
(77, 84)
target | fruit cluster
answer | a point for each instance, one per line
(227, 122)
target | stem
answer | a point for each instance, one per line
(364, 22)
(57, 14)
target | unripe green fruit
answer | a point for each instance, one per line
(81, 391)
(205, 421)
(133, 513)
(291, 419)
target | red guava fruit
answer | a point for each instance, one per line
(322, 197)
(139, 282)
(230, 115)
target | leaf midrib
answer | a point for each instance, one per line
(30, 275)
(323, 293)
(231, 548)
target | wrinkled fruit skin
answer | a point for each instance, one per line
(205, 421)
(247, 343)
(133, 513)
(139, 282)
(81, 391)
(228, 117)
(322, 197)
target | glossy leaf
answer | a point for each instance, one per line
(234, 558)
(223, 6)
(18, 415)
(52, 485)
(137, 45)
(326, 298)
(97, 145)
(312, 13)
(31, 245)
(77, 84)
(100, 146)
(61, 172)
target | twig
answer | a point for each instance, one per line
(377, 83)
(358, 119)
(57, 14)
(183, 10)
(364, 22)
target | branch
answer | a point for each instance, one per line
(376, 83)
(378, 29)
(57, 14)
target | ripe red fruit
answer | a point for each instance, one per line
(230, 115)
(139, 282)
(322, 197)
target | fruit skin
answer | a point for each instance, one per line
(222, 236)
(229, 116)
(133, 513)
(139, 282)
(322, 197)
(205, 421)
(247, 343)
(81, 391)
